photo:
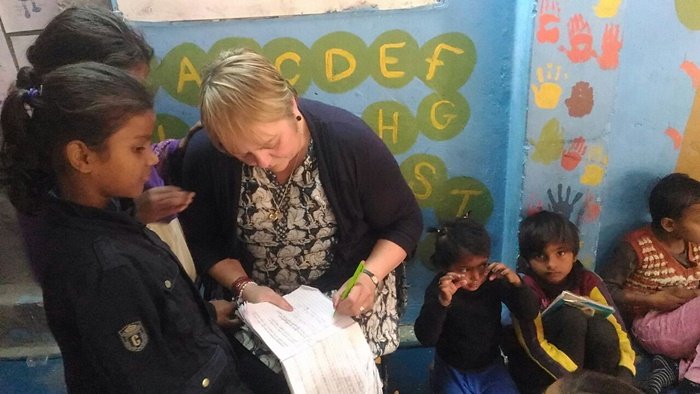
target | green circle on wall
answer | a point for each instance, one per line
(392, 58)
(394, 124)
(169, 126)
(291, 57)
(179, 73)
(688, 12)
(464, 194)
(426, 175)
(443, 116)
(339, 62)
(231, 43)
(447, 61)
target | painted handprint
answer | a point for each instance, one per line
(562, 205)
(548, 92)
(609, 58)
(675, 136)
(580, 103)
(534, 208)
(548, 15)
(580, 39)
(550, 144)
(572, 156)
(591, 208)
(594, 171)
(693, 72)
(607, 8)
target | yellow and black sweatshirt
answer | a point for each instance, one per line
(531, 334)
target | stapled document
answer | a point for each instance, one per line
(320, 351)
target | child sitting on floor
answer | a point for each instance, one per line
(568, 338)
(461, 313)
(654, 277)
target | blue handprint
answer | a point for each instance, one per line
(562, 205)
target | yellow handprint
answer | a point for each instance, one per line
(607, 8)
(548, 93)
(594, 172)
(549, 146)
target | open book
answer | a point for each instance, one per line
(320, 352)
(586, 304)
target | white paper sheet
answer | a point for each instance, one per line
(320, 352)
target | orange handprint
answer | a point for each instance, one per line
(693, 72)
(549, 14)
(572, 156)
(580, 39)
(610, 58)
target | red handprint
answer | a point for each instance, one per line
(591, 210)
(571, 157)
(693, 72)
(534, 208)
(610, 56)
(580, 39)
(549, 14)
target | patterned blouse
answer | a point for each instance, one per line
(290, 231)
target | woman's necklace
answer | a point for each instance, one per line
(276, 213)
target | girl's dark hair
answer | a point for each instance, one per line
(456, 238)
(544, 227)
(81, 34)
(86, 102)
(672, 195)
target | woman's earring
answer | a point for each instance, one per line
(298, 118)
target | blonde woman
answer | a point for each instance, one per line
(295, 192)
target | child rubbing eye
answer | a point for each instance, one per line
(461, 313)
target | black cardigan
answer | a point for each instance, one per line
(363, 183)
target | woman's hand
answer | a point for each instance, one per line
(449, 284)
(255, 294)
(360, 300)
(500, 270)
(225, 316)
(160, 202)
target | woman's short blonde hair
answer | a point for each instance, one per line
(241, 87)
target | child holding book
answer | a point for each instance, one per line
(124, 313)
(568, 338)
(461, 313)
(654, 276)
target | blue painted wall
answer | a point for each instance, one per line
(609, 118)
(476, 167)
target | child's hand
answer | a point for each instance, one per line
(682, 292)
(160, 202)
(670, 298)
(500, 270)
(449, 284)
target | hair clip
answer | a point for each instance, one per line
(31, 93)
(27, 97)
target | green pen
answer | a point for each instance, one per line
(356, 275)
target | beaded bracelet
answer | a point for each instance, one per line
(239, 299)
(238, 284)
